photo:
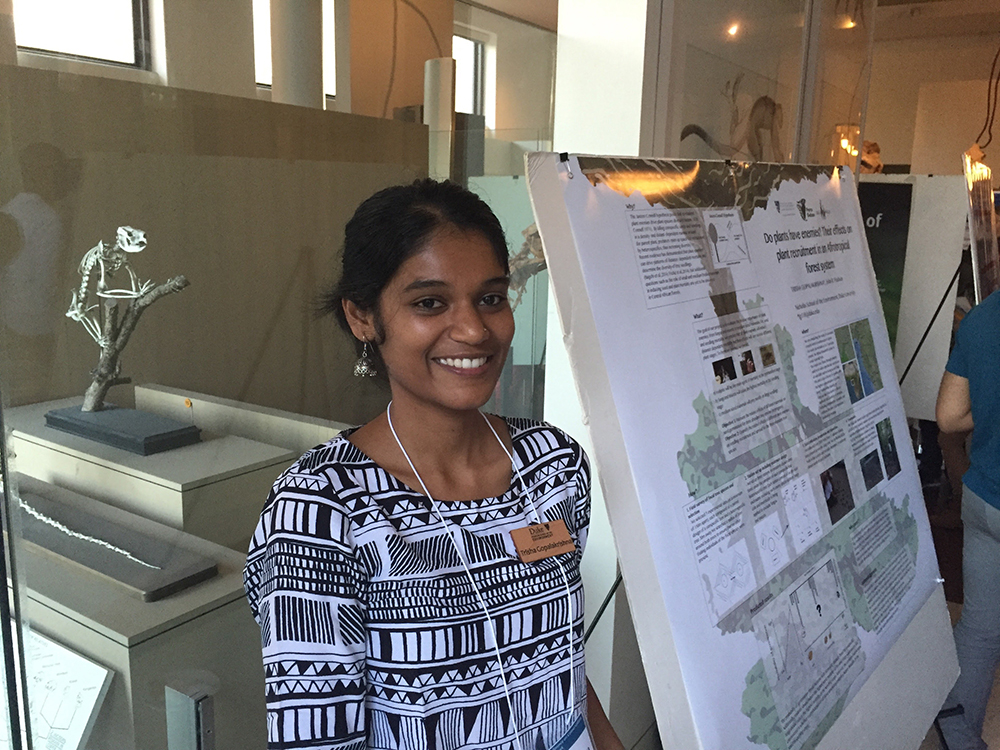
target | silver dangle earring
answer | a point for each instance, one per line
(364, 367)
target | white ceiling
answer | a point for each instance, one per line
(895, 19)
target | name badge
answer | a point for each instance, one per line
(541, 540)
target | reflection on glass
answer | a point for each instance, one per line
(32, 266)
(520, 390)
(467, 72)
(843, 71)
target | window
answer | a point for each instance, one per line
(262, 45)
(469, 74)
(113, 31)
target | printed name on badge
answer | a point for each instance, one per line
(541, 540)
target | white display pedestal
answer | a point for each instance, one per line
(296, 432)
(203, 635)
(213, 489)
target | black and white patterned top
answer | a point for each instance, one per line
(373, 636)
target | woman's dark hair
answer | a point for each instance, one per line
(394, 224)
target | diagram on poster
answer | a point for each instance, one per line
(766, 470)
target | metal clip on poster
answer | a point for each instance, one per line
(564, 159)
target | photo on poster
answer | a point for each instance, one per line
(837, 491)
(853, 378)
(747, 365)
(844, 344)
(857, 351)
(890, 457)
(767, 355)
(871, 470)
(864, 347)
(724, 370)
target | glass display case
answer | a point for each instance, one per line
(126, 569)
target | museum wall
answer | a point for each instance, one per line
(387, 56)
(248, 199)
(950, 114)
(525, 65)
(899, 69)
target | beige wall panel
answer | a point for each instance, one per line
(423, 30)
(901, 66)
(209, 46)
(949, 117)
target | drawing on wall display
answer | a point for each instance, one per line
(746, 133)
(790, 507)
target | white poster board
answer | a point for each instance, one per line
(733, 365)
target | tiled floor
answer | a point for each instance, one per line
(991, 730)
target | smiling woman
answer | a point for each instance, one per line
(448, 616)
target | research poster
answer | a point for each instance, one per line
(748, 365)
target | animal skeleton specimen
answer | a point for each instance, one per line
(109, 324)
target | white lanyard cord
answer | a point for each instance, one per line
(461, 557)
(569, 595)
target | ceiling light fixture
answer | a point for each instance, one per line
(733, 30)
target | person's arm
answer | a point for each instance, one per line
(954, 407)
(303, 588)
(605, 737)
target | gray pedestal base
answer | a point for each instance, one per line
(134, 431)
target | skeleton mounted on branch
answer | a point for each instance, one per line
(109, 324)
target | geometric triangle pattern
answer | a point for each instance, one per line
(374, 634)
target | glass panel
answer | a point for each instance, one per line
(518, 67)
(843, 73)
(741, 67)
(521, 388)
(518, 71)
(102, 29)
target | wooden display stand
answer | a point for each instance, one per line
(204, 635)
(213, 489)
